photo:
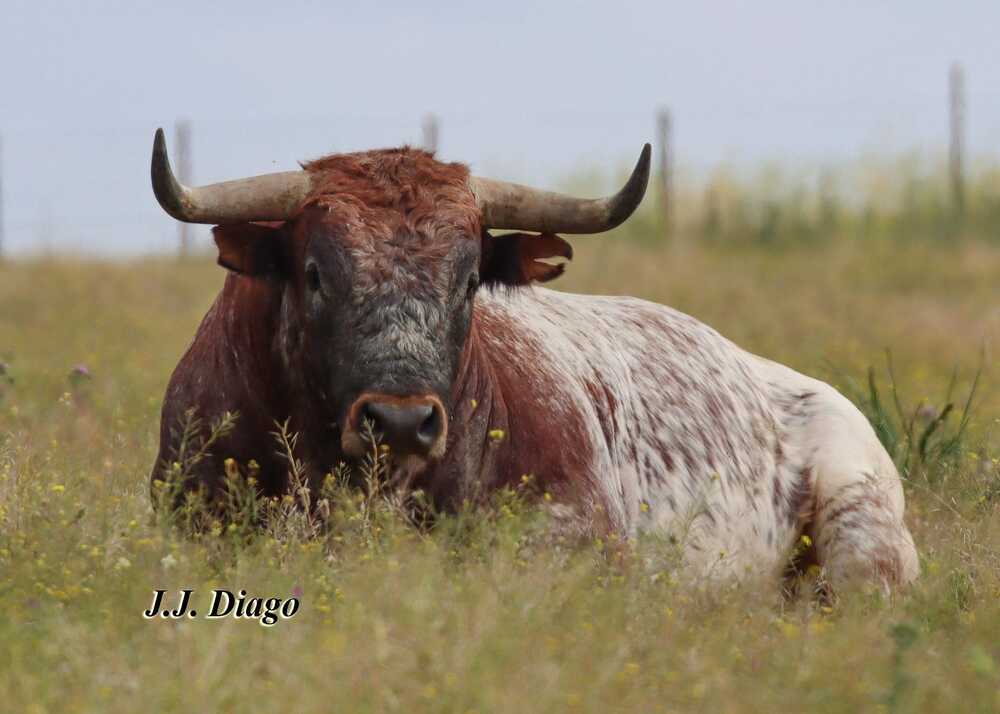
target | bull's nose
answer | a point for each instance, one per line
(406, 428)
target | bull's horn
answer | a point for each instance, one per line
(512, 206)
(271, 197)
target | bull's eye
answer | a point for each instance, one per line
(312, 277)
(472, 286)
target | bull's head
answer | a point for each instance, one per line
(379, 256)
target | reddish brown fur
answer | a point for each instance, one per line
(394, 189)
(415, 206)
(490, 397)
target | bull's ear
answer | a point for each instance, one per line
(249, 248)
(516, 258)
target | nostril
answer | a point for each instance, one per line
(430, 427)
(369, 413)
(402, 425)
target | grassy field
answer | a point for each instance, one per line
(482, 613)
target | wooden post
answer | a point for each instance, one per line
(665, 170)
(182, 142)
(712, 226)
(431, 133)
(956, 153)
(828, 208)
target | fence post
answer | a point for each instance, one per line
(432, 133)
(665, 170)
(828, 207)
(956, 153)
(182, 136)
(712, 224)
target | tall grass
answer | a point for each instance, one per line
(926, 440)
(485, 610)
(905, 198)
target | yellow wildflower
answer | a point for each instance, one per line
(788, 629)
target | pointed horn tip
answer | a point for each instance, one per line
(647, 151)
(645, 160)
(632, 193)
(165, 186)
(160, 156)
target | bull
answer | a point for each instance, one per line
(367, 288)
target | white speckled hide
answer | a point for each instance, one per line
(732, 454)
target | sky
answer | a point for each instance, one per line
(524, 91)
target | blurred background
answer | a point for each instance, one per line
(772, 121)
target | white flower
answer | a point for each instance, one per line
(168, 561)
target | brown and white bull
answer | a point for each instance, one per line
(367, 287)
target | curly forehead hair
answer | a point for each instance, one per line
(395, 188)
